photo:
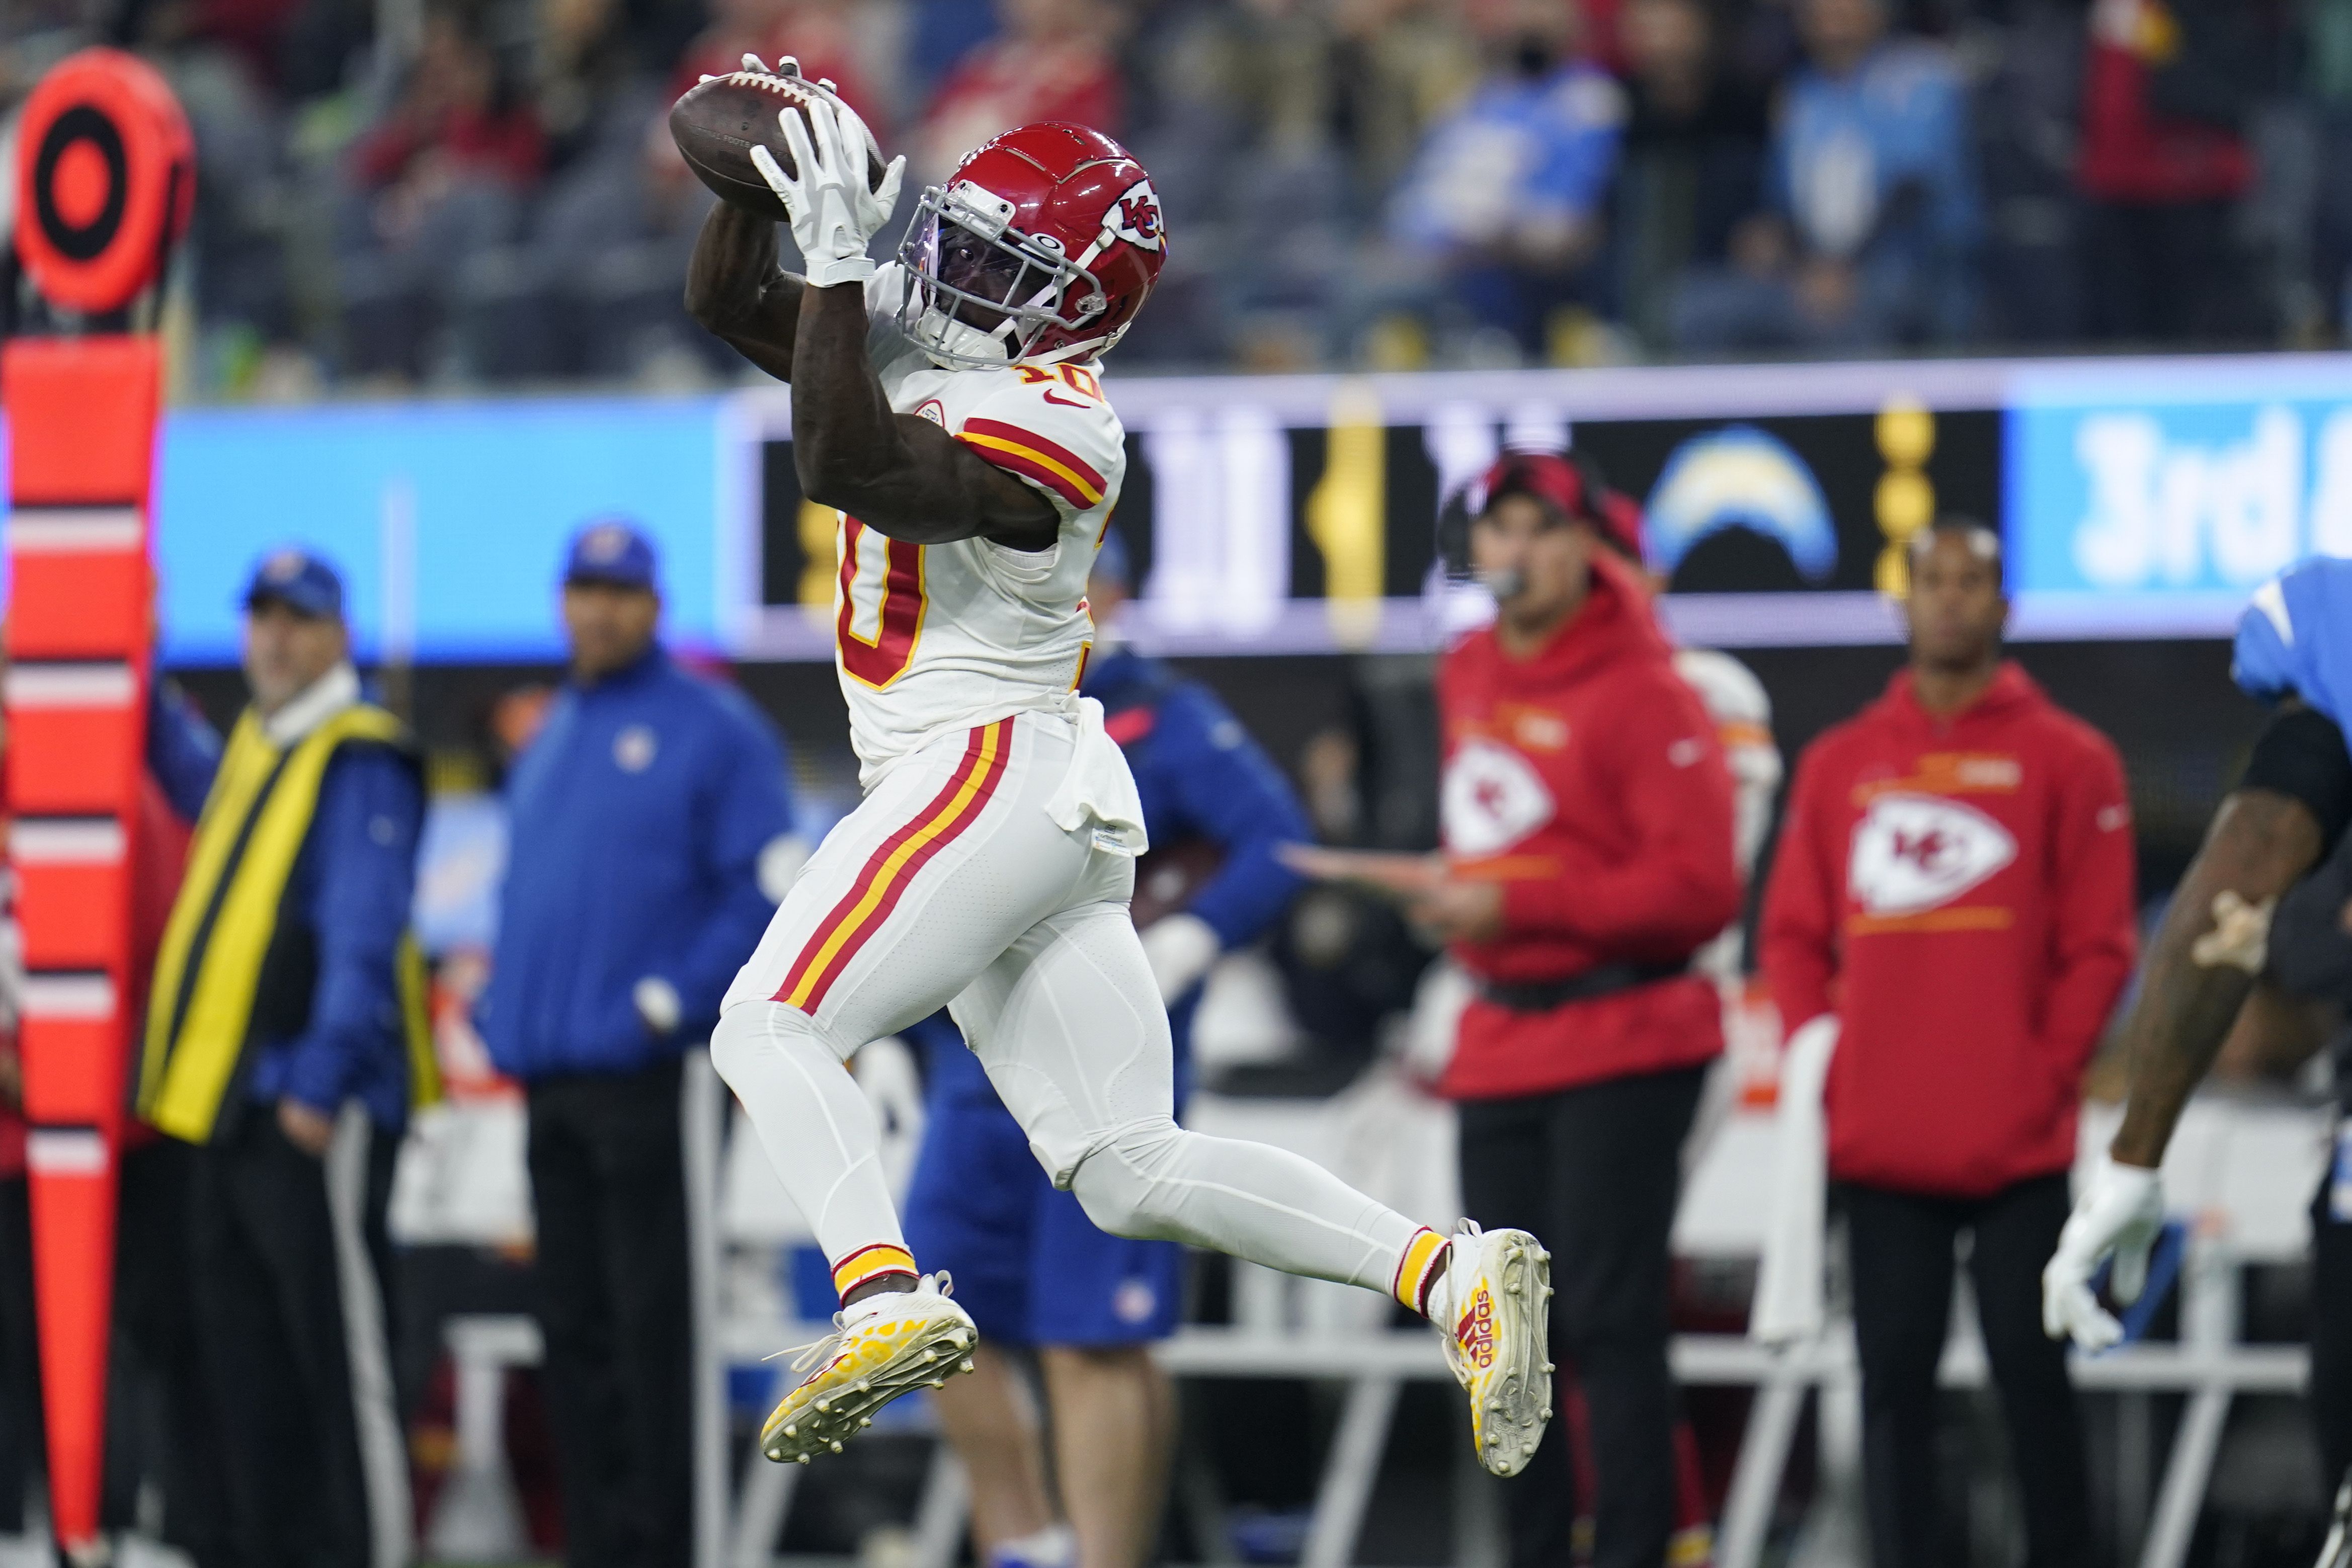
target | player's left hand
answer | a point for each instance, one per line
(833, 216)
(2120, 1211)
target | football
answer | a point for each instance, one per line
(719, 122)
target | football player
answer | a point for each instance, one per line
(951, 407)
(2294, 652)
(1028, 1266)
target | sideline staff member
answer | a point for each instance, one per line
(1587, 813)
(286, 1039)
(1954, 882)
(650, 841)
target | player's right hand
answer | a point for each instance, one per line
(833, 214)
(2120, 1211)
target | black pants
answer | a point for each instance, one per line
(302, 1390)
(608, 1182)
(1902, 1246)
(160, 1420)
(1594, 1172)
(2331, 1338)
(21, 1434)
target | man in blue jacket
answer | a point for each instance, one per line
(286, 1041)
(651, 840)
(1029, 1266)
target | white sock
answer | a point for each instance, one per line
(816, 1124)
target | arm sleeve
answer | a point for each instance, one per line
(370, 809)
(1797, 938)
(1231, 791)
(2094, 932)
(2311, 953)
(1063, 441)
(748, 809)
(1680, 885)
(184, 751)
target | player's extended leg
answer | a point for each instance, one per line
(950, 858)
(1070, 1024)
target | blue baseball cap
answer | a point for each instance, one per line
(305, 583)
(610, 550)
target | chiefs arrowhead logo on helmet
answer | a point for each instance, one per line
(1042, 246)
(1134, 217)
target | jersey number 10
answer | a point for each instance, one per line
(897, 620)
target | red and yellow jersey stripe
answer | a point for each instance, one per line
(876, 890)
(1032, 456)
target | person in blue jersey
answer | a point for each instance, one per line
(284, 1043)
(651, 839)
(1030, 1266)
(2286, 816)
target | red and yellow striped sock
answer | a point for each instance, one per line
(1422, 1266)
(870, 1263)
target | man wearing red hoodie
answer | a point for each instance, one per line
(1955, 884)
(1586, 815)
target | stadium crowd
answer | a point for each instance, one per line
(459, 192)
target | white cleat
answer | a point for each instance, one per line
(1497, 1325)
(884, 1346)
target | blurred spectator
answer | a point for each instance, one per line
(1505, 198)
(1579, 881)
(820, 34)
(437, 184)
(1693, 157)
(1873, 217)
(1951, 915)
(1402, 65)
(2166, 86)
(651, 839)
(286, 1045)
(586, 88)
(2327, 81)
(1051, 61)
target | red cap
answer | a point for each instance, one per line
(1621, 522)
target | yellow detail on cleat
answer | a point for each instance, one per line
(875, 1354)
(1496, 1281)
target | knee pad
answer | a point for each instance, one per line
(1122, 1184)
(747, 1029)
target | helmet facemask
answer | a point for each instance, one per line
(984, 293)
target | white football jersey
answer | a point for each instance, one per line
(934, 638)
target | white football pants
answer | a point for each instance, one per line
(949, 885)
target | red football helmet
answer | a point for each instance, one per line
(1041, 246)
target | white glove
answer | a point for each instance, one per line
(2121, 1211)
(1179, 948)
(657, 1004)
(833, 216)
